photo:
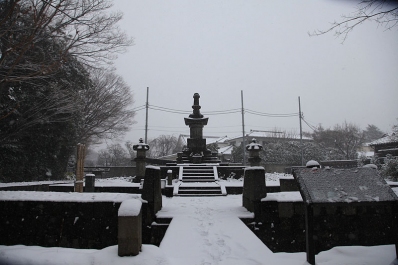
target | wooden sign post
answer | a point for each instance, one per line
(80, 155)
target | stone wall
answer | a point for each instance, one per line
(91, 225)
(281, 226)
(120, 172)
(278, 168)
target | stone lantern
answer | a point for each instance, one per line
(254, 153)
(141, 149)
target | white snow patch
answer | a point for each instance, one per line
(65, 196)
(286, 196)
(254, 168)
(312, 163)
(131, 207)
(153, 167)
(34, 255)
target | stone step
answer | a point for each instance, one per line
(197, 190)
(191, 192)
(199, 176)
(199, 195)
(204, 174)
(197, 180)
(200, 188)
(207, 169)
(198, 170)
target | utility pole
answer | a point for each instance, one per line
(301, 134)
(243, 130)
(146, 119)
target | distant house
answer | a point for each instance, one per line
(365, 151)
(264, 137)
(388, 144)
(225, 145)
(183, 139)
(225, 153)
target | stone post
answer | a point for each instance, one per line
(254, 153)
(151, 190)
(254, 188)
(168, 190)
(169, 177)
(141, 149)
(129, 228)
(89, 183)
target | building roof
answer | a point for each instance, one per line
(344, 186)
(209, 139)
(227, 150)
(393, 138)
(270, 134)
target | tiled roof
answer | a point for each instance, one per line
(393, 138)
(344, 186)
(265, 134)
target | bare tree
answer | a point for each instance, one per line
(130, 150)
(341, 142)
(162, 145)
(113, 155)
(383, 12)
(104, 107)
(84, 29)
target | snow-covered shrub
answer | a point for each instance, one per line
(389, 169)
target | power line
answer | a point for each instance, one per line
(222, 112)
(309, 125)
(270, 114)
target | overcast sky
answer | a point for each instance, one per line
(219, 48)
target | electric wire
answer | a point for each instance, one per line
(219, 112)
(309, 125)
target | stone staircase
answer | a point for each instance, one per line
(198, 180)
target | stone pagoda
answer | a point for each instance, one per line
(196, 152)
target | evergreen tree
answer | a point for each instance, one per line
(372, 132)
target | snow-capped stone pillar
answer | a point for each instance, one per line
(254, 188)
(89, 183)
(254, 153)
(141, 149)
(129, 228)
(151, 190)
(169, 177)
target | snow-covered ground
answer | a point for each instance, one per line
(33, 183)
(204, 230)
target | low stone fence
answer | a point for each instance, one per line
(90, 223)
(280, 223)
(30, 186)
(111, 171)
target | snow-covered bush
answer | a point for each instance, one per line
(389, 169)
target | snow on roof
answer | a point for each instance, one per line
(344, 186)
(393, 138)
(269, 134)
(227, 150)
(209, 139)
